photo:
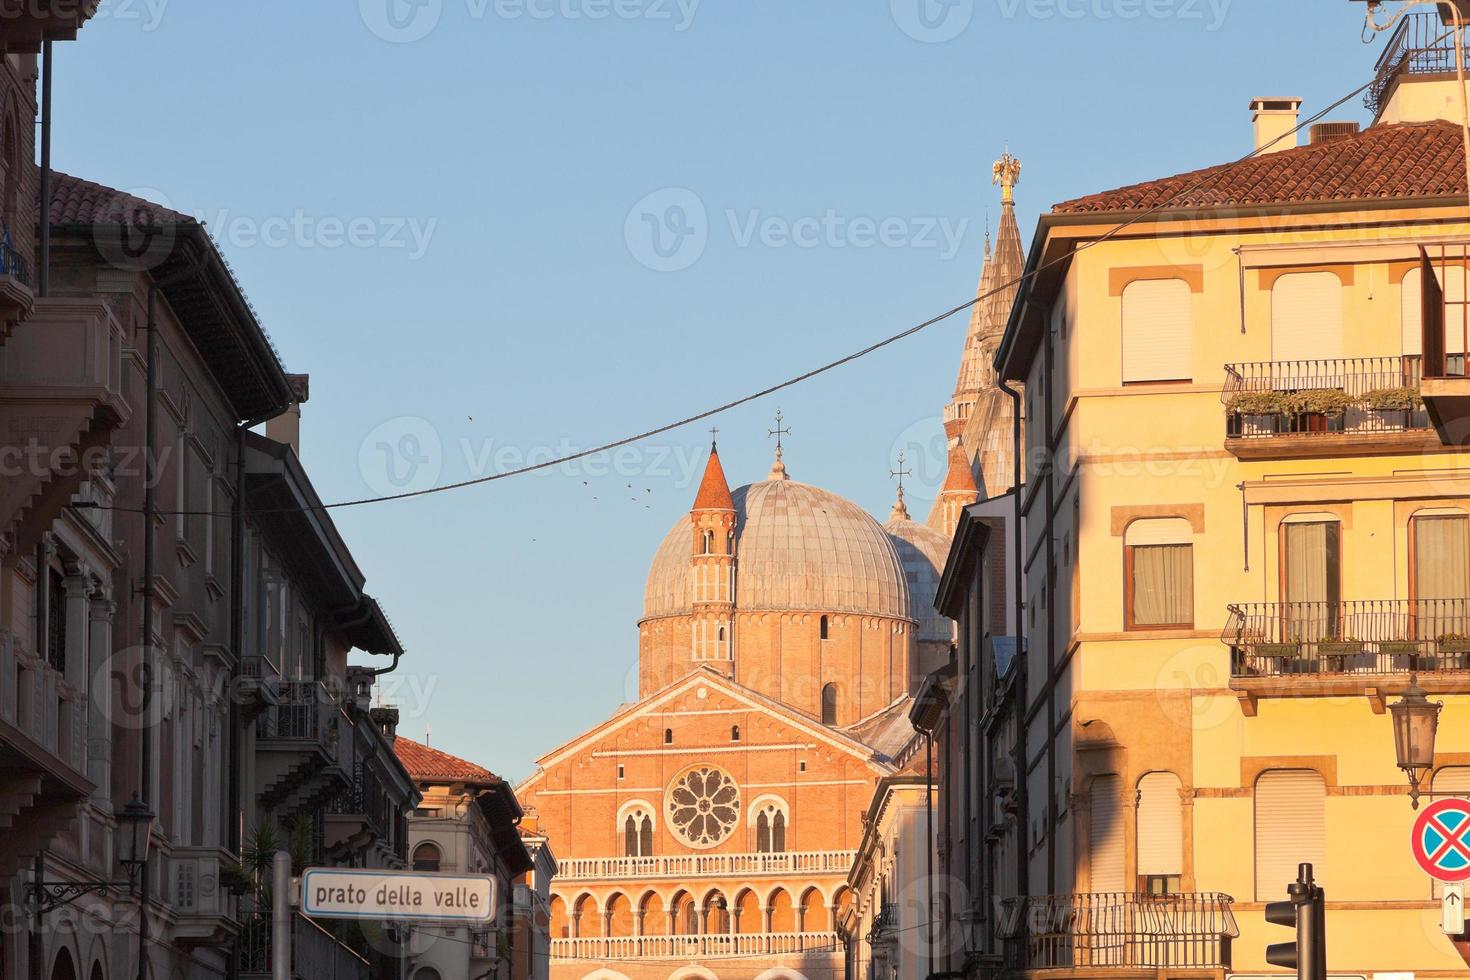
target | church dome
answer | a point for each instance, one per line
(923, 552)
(798, 548)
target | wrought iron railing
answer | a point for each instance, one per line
(1421, 45)
(1359, 636)
(302, 713)
(315, 953)
(1118, 929)
(12, 263)
(1344, 394)
(365, 798)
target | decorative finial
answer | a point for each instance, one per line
(713, 438)
(1007, 173)
(778, 468)
(900, 509)
(987, 233)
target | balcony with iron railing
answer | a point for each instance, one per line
(704, 865)
(316, 954)
(710, 945)
(17, 297)
(302, 755)
(360, 814)
(1348, 646)
(1421, 45)
(1325, 407)
(1192, 930)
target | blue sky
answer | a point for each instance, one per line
(444, 211)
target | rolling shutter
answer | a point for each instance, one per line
(1160, 825)
(1105, 835)
(1157, 327)
(1291, 827)
(1306, 317)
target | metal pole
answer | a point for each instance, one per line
(150, 479)
(38, 948)
(281, 917)
(44, 279)
(929, 835)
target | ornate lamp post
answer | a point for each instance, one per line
(135, 834)
(1415, 723)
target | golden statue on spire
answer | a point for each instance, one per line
(1007, 173)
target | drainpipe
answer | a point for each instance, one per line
(150, 560)
(43, 280)
(1023, 802)
(1049, 545)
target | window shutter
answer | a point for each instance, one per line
(1157, 326)
(1290, 829)
(1105, 835)
(1160, 825)
(1306, 318)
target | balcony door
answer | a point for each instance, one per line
(1306, 317)
(1439, 572)
(1311, 578)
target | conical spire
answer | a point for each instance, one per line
(960, 478)
(714, 489)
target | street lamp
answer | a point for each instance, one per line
(1415, 722)
(135, 827)
(135, 834)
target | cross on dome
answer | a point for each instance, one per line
(900, 509)
(778, 468)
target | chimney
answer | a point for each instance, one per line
(286, 427)
(1331, 132)
(1275, 121)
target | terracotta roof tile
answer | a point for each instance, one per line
(1408, 160)
(426, 765)
(81, 202)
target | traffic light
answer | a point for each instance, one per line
(1306, 911)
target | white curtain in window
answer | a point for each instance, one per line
(1163, 585)
(1441, 573)
(1306, 317)
(1311, 578)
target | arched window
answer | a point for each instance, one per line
(735, 733)
(668, 736)
(829, 704)
(826, 631)
(770, 826)
(1160, 834)
(1105, 834)
(426, 857)
(426, 973)
(638, 834)
(709, 542)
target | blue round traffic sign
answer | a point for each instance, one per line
(1441, 840)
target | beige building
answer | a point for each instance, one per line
(1230, 573)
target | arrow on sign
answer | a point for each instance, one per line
(1452, 909)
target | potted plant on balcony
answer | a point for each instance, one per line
(235, 879)
(1339, 656)
(1259, 410)
(1399, 654)
(1453, 651)
(1316, 408)
(1386, 402)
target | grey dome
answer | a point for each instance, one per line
(923, 552)
(797, 548)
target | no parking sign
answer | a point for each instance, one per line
(1441, 840)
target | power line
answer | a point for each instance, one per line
(1207, 178)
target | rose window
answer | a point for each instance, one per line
(703, 806)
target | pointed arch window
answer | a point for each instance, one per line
(829, 704)
(826, 629)
(770, 828)
(638, 834)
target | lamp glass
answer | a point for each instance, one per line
(136, 824)
(1415, 723)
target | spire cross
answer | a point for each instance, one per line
(714, 434)
(900, 473)
(778, 432)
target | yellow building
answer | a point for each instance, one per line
(1230, 572)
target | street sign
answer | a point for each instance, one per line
(1441, 840)
(1452, 909)
(408, 896)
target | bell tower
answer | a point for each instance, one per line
(712, 561)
